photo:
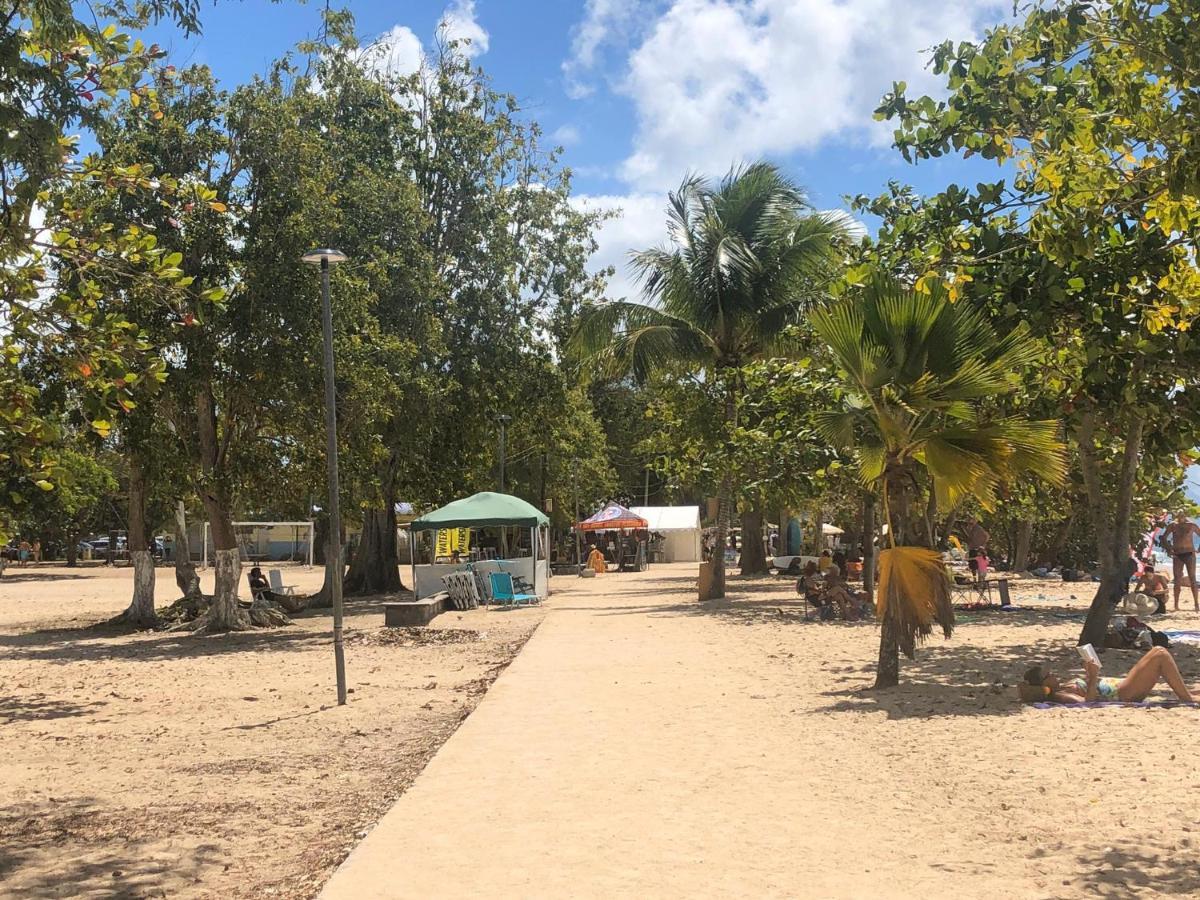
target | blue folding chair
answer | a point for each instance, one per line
(502, 590)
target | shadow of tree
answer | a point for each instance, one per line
(1125, 872)
(117, 642)
(15, 578)
(39, 707)
(47, 850)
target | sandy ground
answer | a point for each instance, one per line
(173, 765)
(643, 745)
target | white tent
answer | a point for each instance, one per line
(680, 528)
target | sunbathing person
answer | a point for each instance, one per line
(1133, 688)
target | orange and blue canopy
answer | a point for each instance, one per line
(613, 516)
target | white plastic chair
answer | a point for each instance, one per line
(277, 585)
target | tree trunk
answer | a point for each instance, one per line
(1051, 556)
(754, 556)
(323, 599)
(868, 544)
(185, 570)
(887, 669)
(722, 539)
(1020, 557)
(1112, 530)
(72, 549)
(224, 614)
(375, 568)
(141, 608)
(724, 501)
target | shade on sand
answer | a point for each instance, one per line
(612, 516)
(482, 510)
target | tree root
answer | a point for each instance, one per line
(192, 615)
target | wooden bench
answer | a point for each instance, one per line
(398, 614)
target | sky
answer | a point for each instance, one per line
(639, 93)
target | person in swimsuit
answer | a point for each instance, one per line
(1153, 584)
(1136, 686)
(1179, 540)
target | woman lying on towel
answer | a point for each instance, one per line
(1133, 688)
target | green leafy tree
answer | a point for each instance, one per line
(748, 258)
(61, 67)
(1093, 240)
(917, 370)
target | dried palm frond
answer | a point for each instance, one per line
(913, 584)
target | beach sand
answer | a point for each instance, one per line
(172, 765)
(175, 765)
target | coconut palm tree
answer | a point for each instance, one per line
(918, 367)
(747, 257)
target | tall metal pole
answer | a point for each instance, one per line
(331, 461)
(575, 495)
(646, 492)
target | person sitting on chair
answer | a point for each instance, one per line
(260, 588)
(837, 593)
(809, 585)
(1133, 688)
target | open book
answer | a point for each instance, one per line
(1088, 653)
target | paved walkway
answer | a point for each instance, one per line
(639, 746)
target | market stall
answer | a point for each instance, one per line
(489, 511)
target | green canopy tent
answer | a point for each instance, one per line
(485, 510)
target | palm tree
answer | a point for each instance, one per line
(918, 367)
(747, 258)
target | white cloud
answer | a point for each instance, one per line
(604, 21)
(566, 136)
(459, 24)
(642, 223)
(396, 53)
(715, 82)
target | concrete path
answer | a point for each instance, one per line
(643, 746)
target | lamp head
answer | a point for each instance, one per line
(323, 256)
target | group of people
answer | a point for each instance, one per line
(824, 587)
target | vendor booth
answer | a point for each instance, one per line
(529, 561)
(627, 549)
(680, 530)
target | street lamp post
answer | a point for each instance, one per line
(327, 258)
(503, 420)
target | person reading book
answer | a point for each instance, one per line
(1136, 686)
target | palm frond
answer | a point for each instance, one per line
(913, 584)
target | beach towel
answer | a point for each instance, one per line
(1183, 637)
(1097, 704)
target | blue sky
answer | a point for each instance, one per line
(641, 92)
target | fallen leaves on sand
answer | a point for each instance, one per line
(412, 636)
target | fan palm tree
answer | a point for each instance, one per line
(918, 367)
(746, 259)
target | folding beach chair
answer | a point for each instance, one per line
(277, 585)
(502, 590)
(462, 590)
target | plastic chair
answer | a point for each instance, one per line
(502, 590)
(277, 585)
